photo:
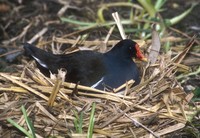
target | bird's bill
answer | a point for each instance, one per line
(139, 54)
(144, 59)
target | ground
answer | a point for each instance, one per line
(21, 20)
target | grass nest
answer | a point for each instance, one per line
(157, 106)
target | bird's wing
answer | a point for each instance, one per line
(86, 66)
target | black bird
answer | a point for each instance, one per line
(90, 68)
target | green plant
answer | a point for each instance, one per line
(140, 17)
(78, 122)
(91, 124)
(31, 132)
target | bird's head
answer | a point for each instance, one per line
(128, 48)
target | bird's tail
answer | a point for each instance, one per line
(41, 56)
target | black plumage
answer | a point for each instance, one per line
(91, 68)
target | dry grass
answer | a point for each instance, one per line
(157, 106)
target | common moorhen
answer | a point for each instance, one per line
(90, 68)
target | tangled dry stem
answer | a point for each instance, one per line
(157, 106)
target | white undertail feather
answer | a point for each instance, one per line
(40, 62)
(97, 83)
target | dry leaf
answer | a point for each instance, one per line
(155, 46)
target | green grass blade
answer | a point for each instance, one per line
(76, 125)
(78, 122)
(28, 122)
(167, 46)
(19, 128)
(148, 6)
(178, 18)
(63, 19)
(91, 124)
(159, 4)
(80, 128)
